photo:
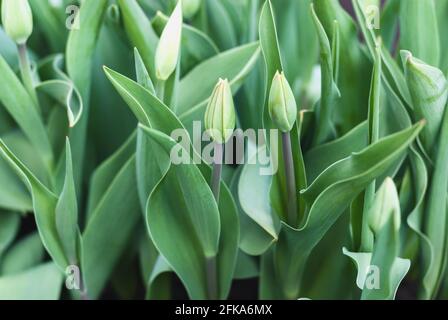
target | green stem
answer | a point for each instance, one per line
(160, 90)
(25, 72)
(215, 185)
(212, 285)
(290, 179)
(217, 171)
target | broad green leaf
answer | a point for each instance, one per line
(321, 157)
(67, 211)
(117, 214)
(189, 214)
(246, 266)
(23, 255)
(79, 55)
(40, 283)
(106, 173)
(142, 74)
(220, 24)
(159, 281)
(299, 46)
(8, 49)
(22, 108)
(436, 214)
(147, 108)
(329, 91)
(9, 227)
(15, 196)
(195, 88)
(441, 9)
(251, 186)
(254, 240)
(49, 22)
(140, 32)
(44, 205)
(419, 30)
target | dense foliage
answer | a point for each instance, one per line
(92, 205)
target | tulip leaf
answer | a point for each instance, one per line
(24, 111)
(419, 30)
(117, 214)
(44, 205)
(25, 254)
(196, 86)
(42, 282)
(9, 227)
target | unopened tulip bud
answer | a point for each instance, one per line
(17, 20)
(429, 92)
(168, 49)
(220, 113)
(386, 206)
(190, 7)
(282, 104)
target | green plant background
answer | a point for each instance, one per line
(86, 177)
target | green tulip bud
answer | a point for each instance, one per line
(429, 94)
(282, 104)
(385, 206)
(220, 113)
(190, 7)
(168, 49)
(17, 20)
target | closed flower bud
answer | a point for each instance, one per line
(17, 20)
(385, 206)
(220, 113)
(282, 104)
(190, 7)
(168, 49)
(429, 93)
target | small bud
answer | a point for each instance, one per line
(385, 206)
(282, 104)
(220, 113)
(190, 8)
(17, 20)
(168, 49)
(429, 93)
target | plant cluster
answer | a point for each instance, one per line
(350, 97)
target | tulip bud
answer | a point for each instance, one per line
(282, 104)
(429, 94)
(190, 7)
(168, 49)
(17, 20)
(386, 206)
(220, 113)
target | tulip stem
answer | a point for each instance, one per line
(215, 185)
(290, 179)
(160, 90)
(217, 171)
(25, 72)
